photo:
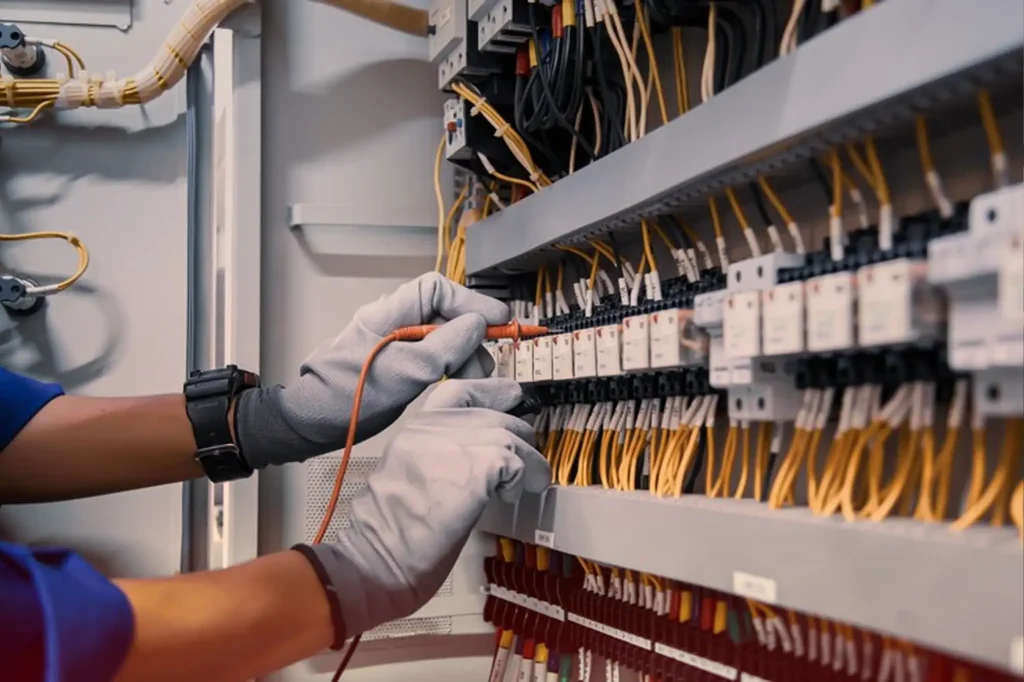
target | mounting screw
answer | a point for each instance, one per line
(14, 299)
(22, 59)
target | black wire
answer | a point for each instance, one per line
(759, 203)
(524, 127)
(690, 486)
(546, 88)
(823, 181)
(617, 254)
(770, 475)
(610, 119)
(673, 224)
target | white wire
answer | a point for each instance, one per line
(788, 43)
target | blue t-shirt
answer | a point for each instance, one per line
(60, 620)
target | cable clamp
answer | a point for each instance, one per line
(475, 109)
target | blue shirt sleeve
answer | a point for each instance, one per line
(20, 399)
(61, 621)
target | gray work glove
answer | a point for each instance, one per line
(418, 509)
(309, 416)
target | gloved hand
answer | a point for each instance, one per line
(308, 417)
(418, 509)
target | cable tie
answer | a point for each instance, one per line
(502, 130)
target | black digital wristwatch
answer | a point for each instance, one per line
(209, 395)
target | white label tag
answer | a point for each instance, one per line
(615, 633)
(512, 669)
(609, 351)
(505, 360)
(562, 359)
(623, 291)
(1017, 655)
(715, 668)
(783, 319)
(636, 343)
(544, 538)
(492, 349)
(755, 587)
(742, 325)
(830, 308)
(1011, 281)
(524, 361)
(666, 349)
(525, 670)
(542, 358)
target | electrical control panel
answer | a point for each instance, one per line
(829, 385)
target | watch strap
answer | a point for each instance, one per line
(209, 396)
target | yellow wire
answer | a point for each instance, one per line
(68, 50)
(988, 122)
(741, 485)
(32, 116)
(924, 151)
(439, 197)
(679, 69)
(648, 251)
(69, 60)
(741, 218)
(1017, 509)
(864, 170)
(574, 250)
(514, 181)
(716, 221)
(451, 216)
(853, 467)
(604, 250)
(1009, 463)
(978, 457)
(764, 438)
(83, 253)
(774, 200)
(504, 130)
(669, 244)
(908, 460)
(649, 45)
(876, 166)
(837, 184)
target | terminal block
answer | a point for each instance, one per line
(982, 270)
(504, 27)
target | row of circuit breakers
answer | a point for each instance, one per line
(961, 295)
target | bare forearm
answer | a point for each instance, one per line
(79, 446)
(227, 626)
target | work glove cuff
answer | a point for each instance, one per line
(337, 616)
(349, 595)
(265, 435)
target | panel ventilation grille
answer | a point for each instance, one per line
(320, 473)
(410, 627)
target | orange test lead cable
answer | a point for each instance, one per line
(512, 330)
